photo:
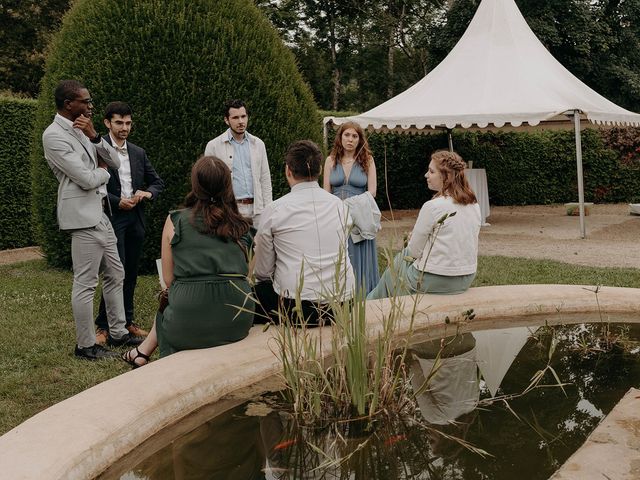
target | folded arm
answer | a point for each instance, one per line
(107, 154)
(68, 159)
(154, 183)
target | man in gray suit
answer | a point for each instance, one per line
(79, 158)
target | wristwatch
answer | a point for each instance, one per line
(97, 138)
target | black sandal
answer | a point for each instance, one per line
(132, 361)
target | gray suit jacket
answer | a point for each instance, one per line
(75, 165)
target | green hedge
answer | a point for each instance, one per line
(522, 168)
(16, 130)
(175, 62)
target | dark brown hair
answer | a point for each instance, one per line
(117, 108)
(304, 160)
(454, 184)
(229, 104)
(211, 200)
(66, 90)
(363, 152)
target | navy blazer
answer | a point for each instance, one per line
(143, 177)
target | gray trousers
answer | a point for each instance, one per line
(94, 251)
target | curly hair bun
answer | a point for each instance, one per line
(449, 160)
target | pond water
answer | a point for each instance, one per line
(473, 401)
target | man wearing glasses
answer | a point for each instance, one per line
(79, 158)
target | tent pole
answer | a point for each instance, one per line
(576, 124)
(325, 135)
(449, 130)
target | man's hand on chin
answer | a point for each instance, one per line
(86, 125)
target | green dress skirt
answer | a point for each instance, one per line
(210, 302)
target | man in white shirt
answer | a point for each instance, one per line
(301, 245)
(130, 187)
(246, 157)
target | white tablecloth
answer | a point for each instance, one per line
(477, 178)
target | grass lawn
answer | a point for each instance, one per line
(37, 366)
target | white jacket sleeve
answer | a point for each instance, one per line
(422, 230)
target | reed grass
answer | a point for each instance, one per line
(37, 335)
(349, 376)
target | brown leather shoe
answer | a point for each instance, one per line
(136, 331)
(101, 336)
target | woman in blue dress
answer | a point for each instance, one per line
(348, 171)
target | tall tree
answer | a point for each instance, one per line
(332, 23)
(403, 26)
(616, 69)
(374, 48)
(27, 26)
(325, 26)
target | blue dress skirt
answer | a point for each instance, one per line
(363, 255)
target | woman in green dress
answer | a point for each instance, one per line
(204, 262)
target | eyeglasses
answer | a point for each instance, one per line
(86, 101)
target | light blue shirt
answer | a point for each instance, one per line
(241, 175)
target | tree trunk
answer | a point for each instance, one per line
(336, 72)
(390, 64)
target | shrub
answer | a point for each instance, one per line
(522, 168)
(175, 63)
(402, 159)
(16, 128)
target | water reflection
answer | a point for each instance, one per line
(445, 379)
(527, 438)
(453, 387)
(496, 351)
(226, 447)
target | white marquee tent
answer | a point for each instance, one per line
(498, 75)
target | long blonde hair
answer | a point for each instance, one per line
(454, 183)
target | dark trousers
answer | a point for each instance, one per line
(129, 231)
(272, 306)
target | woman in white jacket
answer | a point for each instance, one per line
(442, 254)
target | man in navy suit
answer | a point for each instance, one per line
(129, 188)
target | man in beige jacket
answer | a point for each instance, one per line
(246, 157)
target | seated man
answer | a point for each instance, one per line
(301, 245)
